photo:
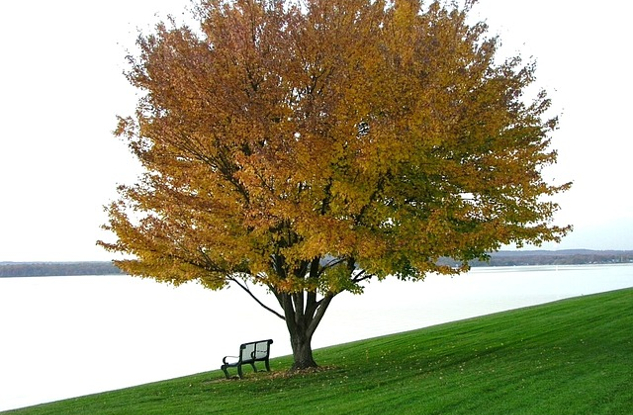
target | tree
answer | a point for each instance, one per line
(311, 146)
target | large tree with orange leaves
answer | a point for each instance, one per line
(311, 146)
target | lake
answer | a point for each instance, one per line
(62, 337)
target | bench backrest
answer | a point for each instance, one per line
(258, 350)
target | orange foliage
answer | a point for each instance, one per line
(310, 147)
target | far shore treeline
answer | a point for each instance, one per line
(46, 269)
(543, 257)
(497, 259)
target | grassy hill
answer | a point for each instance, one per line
(570, 357)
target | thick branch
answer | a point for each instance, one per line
(285, 300)
(297, 299)
(324, 303)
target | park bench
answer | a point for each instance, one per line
(250, 353)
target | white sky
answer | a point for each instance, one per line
(61, 86)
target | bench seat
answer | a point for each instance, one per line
(258, 351)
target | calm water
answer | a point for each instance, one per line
(62, 337)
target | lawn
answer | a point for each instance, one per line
(570, 357)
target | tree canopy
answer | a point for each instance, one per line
(311, 146)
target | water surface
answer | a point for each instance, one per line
(69, 336)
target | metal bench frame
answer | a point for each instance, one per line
(250, 353)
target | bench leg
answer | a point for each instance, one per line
(239, 371)
(267, 365)
(226, 372)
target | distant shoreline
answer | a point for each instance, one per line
(545, 257)
(56, 269)
(497, 259)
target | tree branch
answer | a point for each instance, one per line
(362, 276)
(322, 307)
(249, 292)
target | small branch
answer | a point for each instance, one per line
(334, 262)
(249, 292)
(362, 276)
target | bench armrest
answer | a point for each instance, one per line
(226, 357)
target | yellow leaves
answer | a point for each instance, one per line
(345, 129)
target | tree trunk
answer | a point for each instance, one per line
(302, 351)
(303, 313)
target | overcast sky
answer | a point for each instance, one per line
(61, 86)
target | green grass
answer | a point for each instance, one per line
(569, 357)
